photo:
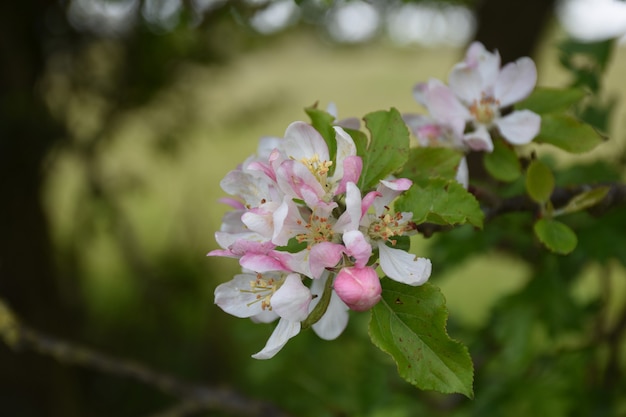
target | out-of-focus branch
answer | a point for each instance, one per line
(615, 196)
(194, 397)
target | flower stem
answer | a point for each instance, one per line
(319, 310)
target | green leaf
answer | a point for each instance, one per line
(425, 163)
(441, 201)
(323, 123)
(539, 181)
(502, 163)
(360, 140)
(388, 149)
(568, 133)
(584, 200)
(409, 323)
(545, 100)
(556, 236)
(293, 246)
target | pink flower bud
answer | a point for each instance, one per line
(358, 287)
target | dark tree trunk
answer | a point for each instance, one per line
(514, 27)
(29, 385)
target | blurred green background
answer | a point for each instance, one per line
(113, 145)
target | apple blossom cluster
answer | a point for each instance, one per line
(309, 241)
(477, 101)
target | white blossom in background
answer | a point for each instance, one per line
(477, 101)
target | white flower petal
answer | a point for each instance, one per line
(519, 127)
(284, 331)
(303, 141)
(466, 82)
(515, 81)
(479, 139)
(235, 297)
(260, 219)
(402, 266)
(345, 147)
(291, 300)
(265, 316)
(462, 173)
(485, 62)
(349, 219)
(445, 107)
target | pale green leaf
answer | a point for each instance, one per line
(502, 163)
(323, 123)
(539, 181)
(441, 201)
(585, 200)
(427, 162)
(568, 133)
(388, 148)
(556, 236)
(409, 323)
(544, 100)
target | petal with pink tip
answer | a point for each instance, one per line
(324, 255)
(351, 168)
(357, 247)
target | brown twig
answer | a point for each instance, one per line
(194, 397)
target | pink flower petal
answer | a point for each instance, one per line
(357, 247)
(261, 263)
(324, 255)
(352, 167)
(358, 287)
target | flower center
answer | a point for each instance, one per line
(485, 110)
(386, 226)
(319, 229)
(318, 168)
(264, 289)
